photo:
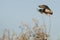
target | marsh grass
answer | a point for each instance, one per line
(37, 33)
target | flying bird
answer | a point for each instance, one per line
(45, 9)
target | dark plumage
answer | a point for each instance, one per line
(45, 9)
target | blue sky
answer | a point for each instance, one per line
(12, 12)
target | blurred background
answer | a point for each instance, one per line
(14, 12)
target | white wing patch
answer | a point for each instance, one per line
(46, 10)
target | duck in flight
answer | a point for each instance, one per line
(45, 9)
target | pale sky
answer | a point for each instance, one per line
(12, 12)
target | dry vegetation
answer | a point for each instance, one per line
(36, 33)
